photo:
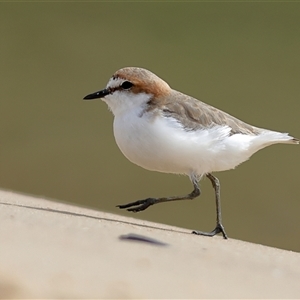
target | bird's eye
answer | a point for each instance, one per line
(126, 85)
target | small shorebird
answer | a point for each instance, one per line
(161, 129)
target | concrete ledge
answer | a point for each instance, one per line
(54, 250)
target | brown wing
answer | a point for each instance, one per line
(194, 114)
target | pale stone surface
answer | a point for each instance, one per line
(55, 250)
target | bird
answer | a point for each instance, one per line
(161, 129)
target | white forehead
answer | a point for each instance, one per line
(114, 82)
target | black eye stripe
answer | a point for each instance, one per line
(126, 85)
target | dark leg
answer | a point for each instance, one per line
(144, 204)
(219, 228)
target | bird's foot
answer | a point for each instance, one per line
(219, 229)
(139, 205)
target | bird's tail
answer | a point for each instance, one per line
(274, 137)
(292, 141)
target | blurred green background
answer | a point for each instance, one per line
(240, 57)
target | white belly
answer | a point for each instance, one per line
(162, 144)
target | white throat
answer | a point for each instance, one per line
(122, 102)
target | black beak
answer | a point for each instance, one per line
(97, 95)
